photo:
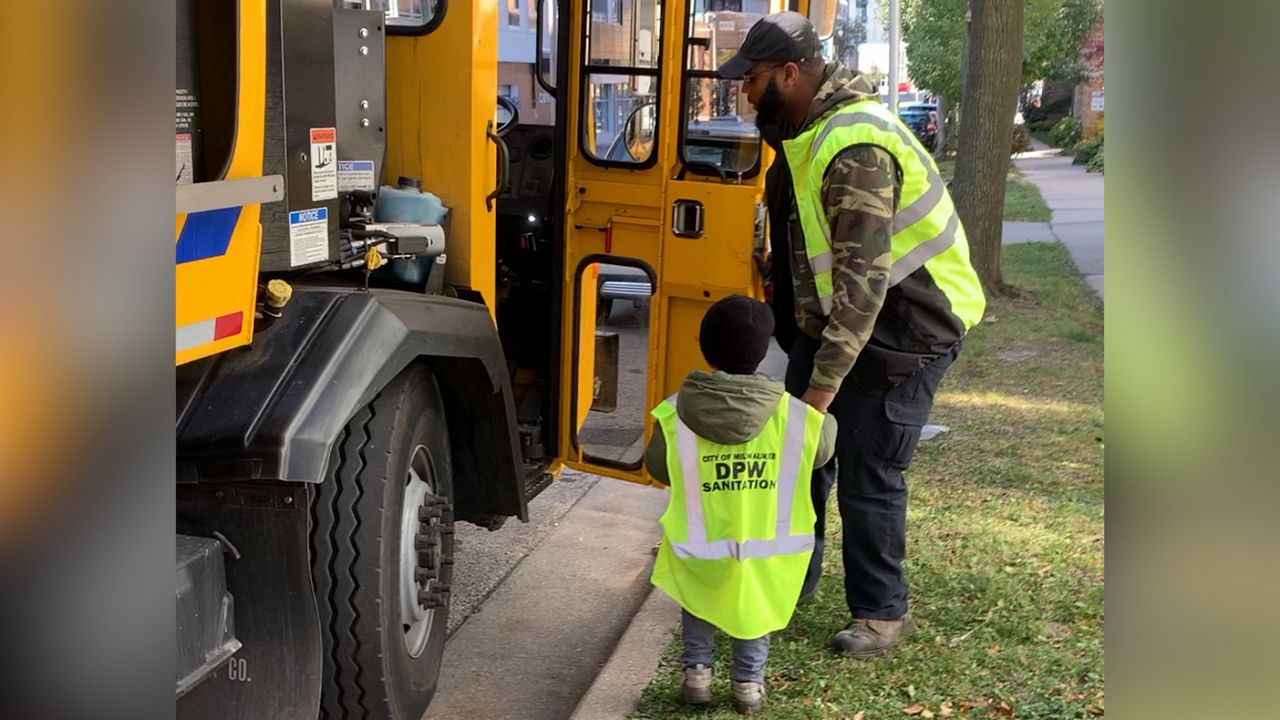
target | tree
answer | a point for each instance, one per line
(1053, 33)
(934, 32)
(845, 41)
(982, 158)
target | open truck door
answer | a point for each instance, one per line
(663, 211)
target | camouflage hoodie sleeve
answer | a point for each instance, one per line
(860, 194)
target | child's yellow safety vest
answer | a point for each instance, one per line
(738, 530)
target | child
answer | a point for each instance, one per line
(738, 452)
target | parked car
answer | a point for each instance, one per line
(922, 118)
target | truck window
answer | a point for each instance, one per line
(622, 62)
(822, 13)
(718, 135)
(405, 17)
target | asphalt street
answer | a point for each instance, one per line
(619, 434)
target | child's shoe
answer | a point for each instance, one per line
(748, 697)
(696, 688)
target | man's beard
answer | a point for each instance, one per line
(769, 114)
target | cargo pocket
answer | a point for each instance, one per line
(895, 447)
(906, 410)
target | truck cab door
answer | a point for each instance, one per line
(663, 212)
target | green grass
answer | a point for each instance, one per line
(1022, 199)
(1005, 554)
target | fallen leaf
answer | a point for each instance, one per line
(945, 710)
(927, 714)
(1093, 709)
(1004, 709)
(913, 709)
(860, 715)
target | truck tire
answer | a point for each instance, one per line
(382, 555)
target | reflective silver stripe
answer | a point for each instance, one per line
(845, 120)
(758, 549)
(924, 252)
(789, 466)
(784, 543)
(920, 208)
(827, 303)
(904, 266)
(821, 263)
(687, 449)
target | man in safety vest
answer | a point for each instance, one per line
(873, 293)
(738, 453)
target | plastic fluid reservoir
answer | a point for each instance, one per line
(407, 203)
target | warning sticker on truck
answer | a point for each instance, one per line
(186, 173)
(324, 163)
(308, 236)
(355, 175)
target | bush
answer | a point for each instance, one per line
(1021, 140)
(1096, 164)
(1049, 113)
(1086, 150)
(1067, 132)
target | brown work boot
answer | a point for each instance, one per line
(866, 638)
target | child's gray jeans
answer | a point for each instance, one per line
(699, 637)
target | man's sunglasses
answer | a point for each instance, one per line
(748, 78)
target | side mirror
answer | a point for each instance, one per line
(638, 133)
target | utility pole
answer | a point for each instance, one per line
(895, 51)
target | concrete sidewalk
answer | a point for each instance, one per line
(534, 646)
(1076, 199)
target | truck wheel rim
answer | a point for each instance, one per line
(419, 527)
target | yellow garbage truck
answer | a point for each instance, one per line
(387, 318)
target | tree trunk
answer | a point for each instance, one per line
(993, 74)
(940, 141)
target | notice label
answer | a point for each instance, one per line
(1098, 102)
(355, 175)
(324, 163)
(186, 173)
(308, 236)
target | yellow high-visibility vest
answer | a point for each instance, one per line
(738, 529)
(926, 229)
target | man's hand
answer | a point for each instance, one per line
(820, 399)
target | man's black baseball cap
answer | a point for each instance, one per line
(780, 37)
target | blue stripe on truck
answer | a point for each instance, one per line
(207, 234)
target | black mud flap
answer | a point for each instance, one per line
(276, 672)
